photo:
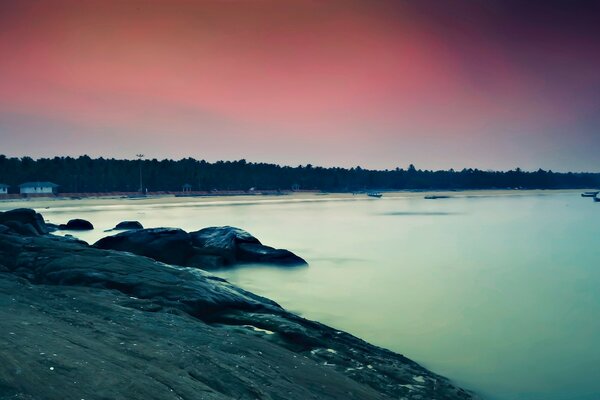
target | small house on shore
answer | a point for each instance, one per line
(38, 187)
(3, 188)
(186, 188)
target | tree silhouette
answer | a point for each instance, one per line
(85, 174)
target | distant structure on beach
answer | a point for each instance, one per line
(37, 187)
(3, 188)
(186, 188)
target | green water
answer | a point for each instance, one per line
(501, 294)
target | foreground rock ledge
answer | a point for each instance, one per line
(81, 322)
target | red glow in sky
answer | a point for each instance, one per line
(380, 84)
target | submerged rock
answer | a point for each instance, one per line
(77, 225)
(117, 325)
(129, 225)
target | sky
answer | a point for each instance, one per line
(381, 84)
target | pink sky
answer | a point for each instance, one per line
(373, 83)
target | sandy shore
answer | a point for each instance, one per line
(41, 203)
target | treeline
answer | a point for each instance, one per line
(84, 174)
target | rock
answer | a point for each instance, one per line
(258, 253)
(128, 225)
(21, 217)
(209, 248)
(237, 246)
(206, 261)
(222, 237)
(118, 325)
(77, 225)
(21, 228)
(52, 227)
(171, 246)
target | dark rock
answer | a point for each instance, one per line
(71, 238)
(258, 253)
(25, 216)
(222, 237)
(124, 326)
(129, 225)
(171, 246)
(21, 228)
(236, 245)
(77, 225)
(206, 261)
(209, 248)
(52, 227)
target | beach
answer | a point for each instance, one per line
(59, 201)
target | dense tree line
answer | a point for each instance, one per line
(84, 174)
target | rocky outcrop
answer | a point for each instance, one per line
(83, 322)
(127, 225)
(241, 247)
(222, 237)
(77, 225)
(24, 221)
(171, 246)
(209, 248)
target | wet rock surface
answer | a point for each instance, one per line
(24, 221)
(129, 225)
(208, 248)
(77, 225)
(81, 322)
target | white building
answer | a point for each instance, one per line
(37, 187)
(3, 188)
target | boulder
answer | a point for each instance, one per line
(21, 228)
(237, 246)
(127, 225)
(258, 253)
(222, 237)
(209, 248)
(168, 245)
(24, 221)
(77, 225)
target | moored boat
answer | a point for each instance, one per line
(589, 194)
(374, 194)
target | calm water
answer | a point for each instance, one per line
(502, 294)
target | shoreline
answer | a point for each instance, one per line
(171, 199)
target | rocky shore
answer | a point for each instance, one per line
(209, 248)
(83, 322)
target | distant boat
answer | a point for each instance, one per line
(589, 194)
(433, 197)
(374, 194)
